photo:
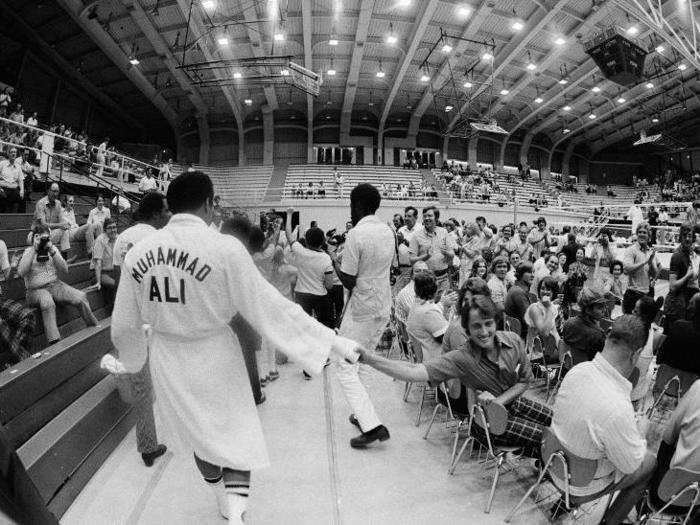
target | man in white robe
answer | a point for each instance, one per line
(186, 282)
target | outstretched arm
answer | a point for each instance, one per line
(402, 370)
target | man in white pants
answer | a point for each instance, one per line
(367, 258)
(179, 289)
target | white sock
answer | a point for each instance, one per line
(237, 505)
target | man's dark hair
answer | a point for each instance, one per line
(629, 330)
(239, 226)
(425, 285)
(617, 263)
(366, 198)
(314, 237)
(151, 206)
(435, 211)
(413, 210)
(481, 219)
(472, 286)
(522, 269)
(256, 240)
(566, 229)
(189, 192)
(484, 305)
(108, 222)
(549, 283)
(648, 309)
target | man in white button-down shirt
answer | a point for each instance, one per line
(367, 258)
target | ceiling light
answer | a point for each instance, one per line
(208, 4)
(222, 41)
(464, 11)
(531, 66)
(134, 61)
(592, 116)
(566, 108)
(517, 25)
(539, 100)
(650, 85)
(468, 85)
(632, 30)
(504, 91)
(248, 102)
(391, 39)
(560, 41)
(409, 107)
(370, 104)
(447, 48)
(487, 56)
(328, 117)
(655, 120)
(284, 72)
(403, 3)
(595, 89)
(331, 71)
(563, 81)
(448, 109)
(621, 100)
(660, 48)
(381, 74)
(682, 67)
(333, 42)
(279, 37)
(565, 131)
(237, 75)
(424, 78)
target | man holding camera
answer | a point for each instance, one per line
(49, 212)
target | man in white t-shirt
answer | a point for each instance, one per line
(101, 152)
(97, 216)
(635, 215)
(148, 183)
(152, 214)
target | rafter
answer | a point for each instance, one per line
(257, 46)
(307, 28)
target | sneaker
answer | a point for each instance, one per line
(273, 376)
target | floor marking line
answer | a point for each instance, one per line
(140, 506)
(331, 445)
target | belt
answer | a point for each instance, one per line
(439, 273)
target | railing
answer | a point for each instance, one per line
(127, 165)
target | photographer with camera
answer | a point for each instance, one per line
(40, 266)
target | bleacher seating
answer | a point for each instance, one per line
(353, 174)
(236, 185)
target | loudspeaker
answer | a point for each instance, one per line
(620, 60)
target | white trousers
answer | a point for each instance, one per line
(367, 334)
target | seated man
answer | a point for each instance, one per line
(582, 332)
(426, 320)
(494, 364)
(49, 212)
(76, 233)
(594, 419)
(680, 348)
(407, 296)
(97, 216)
(40, 266)
(518, 297)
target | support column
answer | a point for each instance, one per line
(471, 151)
(241, 146)
(204, 140)
(380, 148)
(268, 136)
(565, 171)
(88, 115)
(501, 160)
(445, 147)
(54, 101)
(525, 148)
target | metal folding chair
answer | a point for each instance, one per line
(679, 490)
(452, 419)
(427, 392)
(511, 324)
(565, 469)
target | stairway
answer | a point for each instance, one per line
(276, 185)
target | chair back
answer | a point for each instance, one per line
(576, 356)
(416, 348)
(673, 381)
(549, 346)
(402, 335)
(581, 471)
(674, 482)
(493, 419)
(511, 324)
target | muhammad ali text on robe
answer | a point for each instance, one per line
(161, 288)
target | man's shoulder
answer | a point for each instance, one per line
(509, 339)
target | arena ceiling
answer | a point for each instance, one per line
(392, 70)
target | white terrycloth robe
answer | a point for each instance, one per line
(199, 375)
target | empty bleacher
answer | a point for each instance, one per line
(236, 185)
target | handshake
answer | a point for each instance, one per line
(347, 350)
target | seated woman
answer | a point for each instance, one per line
(103, 261)
(540, 318)
(40, 266)
(426, 321)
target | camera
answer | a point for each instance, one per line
(42, 250)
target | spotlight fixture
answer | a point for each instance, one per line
(621, 100)
(381, 74)
(660, 48)
(682, 67)
(632, 30)
(403, 3)
(464, 11)
(517, 25)
(134, 61)
(448, 109)
(424, 77)
(487, 56)
(565, 131)
(248, 102)
(468, 85)
(566, 108)
(331, 71)
(333, 42)
(650, 85)
(539, 100)
(563, 81)
(222, 41)
(592, 116)
(655, 120)
(595, 89)
(531, 66)
(504, 92)
(279, 37)
(237, 75)
(447, 48)
(284, 72)
(560, 41)
(391, 37)
(208, 4)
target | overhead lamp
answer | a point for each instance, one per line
(134, 61)
(208, 4)
(560, 41)
(222, 41)
(403, 3)
(448, 109)
(237, 75)
(650, 85)
(660, 48)
(592, 116)
(565, 131)
(632, 30)
(370, 103)
(381, 74)
(284, 72)
(621, 100)
(655, 120)
(468, 85)
(539, 100)
(464, 11)
(682, 67)
(566, 108)
(487, 56)
(504, 92)
(531, 66)
(391, 39)
(409, 107)
(331, 71)
(563, 81)
(333, 42)
(279, 37)
(248, 102)
(447, 48)
(595, 89)
(517, 25)
(424, 77)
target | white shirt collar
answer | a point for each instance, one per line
(615, 376)
(186, 219)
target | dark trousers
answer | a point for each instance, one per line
(316, 305)
(250, 343)
(11, 202)
(337, 299)
(630, 299)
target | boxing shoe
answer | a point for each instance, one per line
(150, 457)
(380, 433)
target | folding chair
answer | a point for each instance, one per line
(452, 419)
(679, 490)
(564, 467)
(427, 392)
(493, 420)
(399, 344)
(511, 324)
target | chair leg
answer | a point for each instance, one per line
(407, 390)
(527, 494)
(496, 474)
(432, 420)
(451, 471)
(420, 407)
